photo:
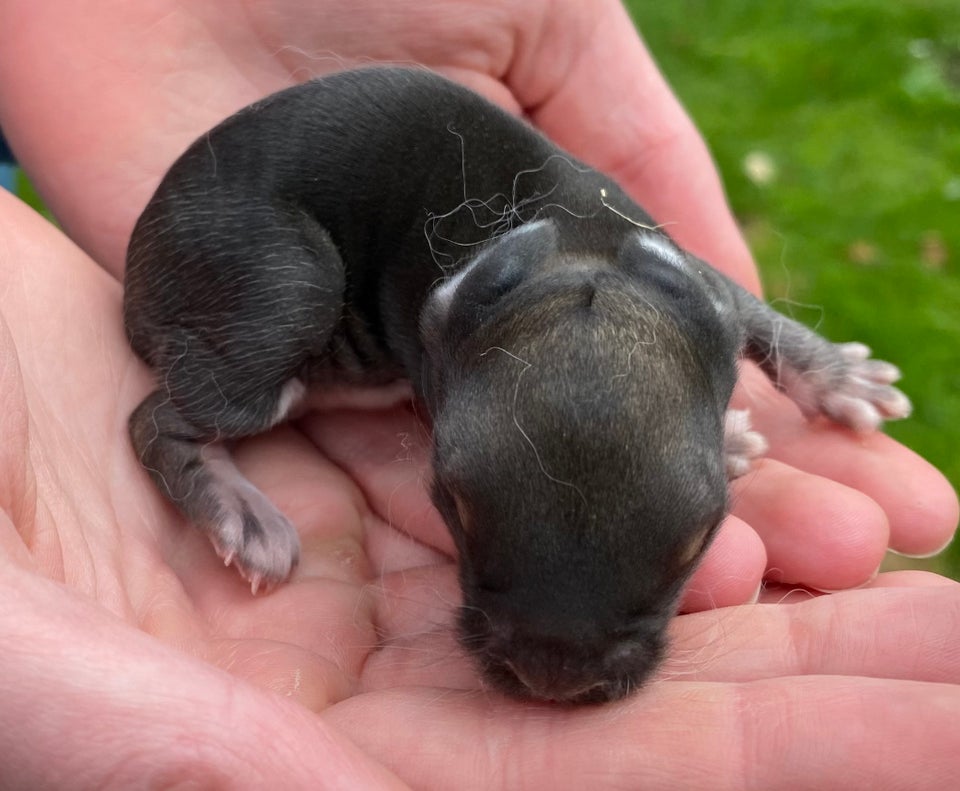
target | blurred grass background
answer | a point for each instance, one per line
(836, 126)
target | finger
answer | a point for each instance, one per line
(911, 578)
(920, 504)
(586, 79)
(772, 593)
(731, 571)
(817, 533)
(763, 734)
(884, 632)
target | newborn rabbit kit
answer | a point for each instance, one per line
(576, 364)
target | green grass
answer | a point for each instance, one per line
(26, 192)
(855, 108)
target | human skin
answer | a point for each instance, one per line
(115, 613)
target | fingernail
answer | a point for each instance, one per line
(863, 584)
(921, 556)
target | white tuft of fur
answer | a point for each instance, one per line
(741, 444)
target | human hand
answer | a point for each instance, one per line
(129, 656)
(144, 80)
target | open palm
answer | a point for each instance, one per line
(361, 635)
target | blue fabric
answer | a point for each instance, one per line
(7, 169)
(7, 176)
(6, 155)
